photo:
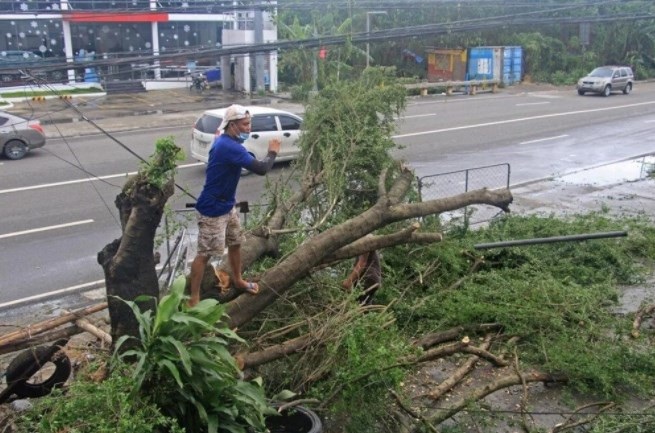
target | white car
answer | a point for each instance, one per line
(267, 123)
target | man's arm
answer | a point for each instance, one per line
(356, 272)
(262, 167)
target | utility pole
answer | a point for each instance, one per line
(368, 31)
(260, 63)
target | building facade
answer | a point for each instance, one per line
(74, 31)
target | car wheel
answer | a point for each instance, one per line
(581, 92)
(627, 89)
(607, 90)
(15, 149)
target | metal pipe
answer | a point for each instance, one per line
(554, 239)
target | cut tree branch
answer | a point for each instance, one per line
(503, 382)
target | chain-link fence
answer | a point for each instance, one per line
(444, 185)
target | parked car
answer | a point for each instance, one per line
(18, 135)
(267, 123)
(606, 79)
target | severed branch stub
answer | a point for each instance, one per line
(639, 317)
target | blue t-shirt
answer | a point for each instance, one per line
(226, 159)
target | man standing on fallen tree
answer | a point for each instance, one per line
(218, 222)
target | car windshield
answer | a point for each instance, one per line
(601, 72)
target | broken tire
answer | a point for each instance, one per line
(29, 362)
(298, 419)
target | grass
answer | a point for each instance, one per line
(20, 94)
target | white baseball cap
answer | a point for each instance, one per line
(233, 112)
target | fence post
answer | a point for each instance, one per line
(466, 208)
(420, 187)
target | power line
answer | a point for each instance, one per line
(396, 33)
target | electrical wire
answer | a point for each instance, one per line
(89, 175)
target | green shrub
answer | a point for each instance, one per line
(96, 407)
(183, 365)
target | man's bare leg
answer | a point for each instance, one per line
(234, 258)
(197, 271)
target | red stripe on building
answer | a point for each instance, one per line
(113, 17)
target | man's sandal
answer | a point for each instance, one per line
(252, 288)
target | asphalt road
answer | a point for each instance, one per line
(55, 220)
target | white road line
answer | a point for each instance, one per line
(649, 121)
(544, 139)
(44, 229)
(415, 115)
(450, 101)
(67, 290)
(522, 119)
(72, 182)
(533, 103)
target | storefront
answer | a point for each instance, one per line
(69, 32)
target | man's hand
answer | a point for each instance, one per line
(274, 145)
(194, 301)
(347, 284)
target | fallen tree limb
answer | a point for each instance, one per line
(295, 403)
(639, 317)
(93, 330)
(431, 340)
(440, 352)
(458, 374)
(38, 328)
(254, 359)
(411, 413)
(43, 338)
(569, 423)
(480, 393)
(482, 353)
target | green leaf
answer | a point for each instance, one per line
(182, 351)
(173, 370)
(212, 424)
(283, 395)
(168, 305)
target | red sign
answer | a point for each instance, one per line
(322, 53)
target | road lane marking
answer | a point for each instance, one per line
(65, 291)
(44, 229)
(72, 182)
(533, 103)
(450, 101)
(649, 121)
(544, 139)
(521, 119)
(80, 288)
(415, 115)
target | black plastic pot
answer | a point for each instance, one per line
(298, 419)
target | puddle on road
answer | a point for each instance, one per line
(627, 171)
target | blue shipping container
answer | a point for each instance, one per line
(481, 63)
(507, 65)
(517, 64)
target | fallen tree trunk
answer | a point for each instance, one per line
(388, 209)
(26, 334)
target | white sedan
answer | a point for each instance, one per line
(267, 123)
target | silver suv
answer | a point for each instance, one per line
(606, 79)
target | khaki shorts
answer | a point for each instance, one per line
(215, 232)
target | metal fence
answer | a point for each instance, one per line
(444, 185)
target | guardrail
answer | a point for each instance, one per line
(472, 86)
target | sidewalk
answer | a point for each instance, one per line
(125, 112)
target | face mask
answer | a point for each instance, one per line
(243, 136)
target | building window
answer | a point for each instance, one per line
(43, 38)
(109, 4)
(189, 34)
(112, 38)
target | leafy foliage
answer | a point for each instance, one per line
(161, 167)
(89, 406)
(556, 297)
(183, 364)
(346, 137)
